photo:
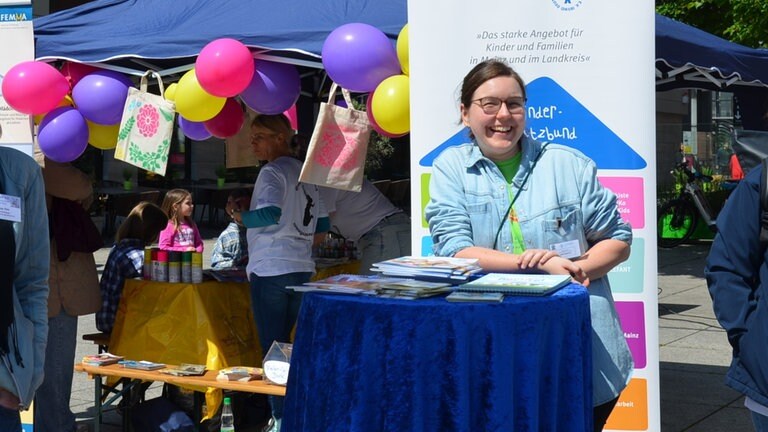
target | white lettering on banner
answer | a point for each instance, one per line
(631, 335)
(13, 17)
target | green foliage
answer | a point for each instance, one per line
(379, 147)
(740, 21)
(127, 174)
(221, 171)
(150, 161)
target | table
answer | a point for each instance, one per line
(210, 323)
(136, 376)
(374, 364)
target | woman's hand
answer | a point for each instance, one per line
(558, 265)
(533, 258)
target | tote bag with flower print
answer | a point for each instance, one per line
(144, 139)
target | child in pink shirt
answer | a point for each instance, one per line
(181, 234)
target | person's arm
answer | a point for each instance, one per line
(224, 251)
(32, 267)
(166, 237)
(262, 217)
(733, 266)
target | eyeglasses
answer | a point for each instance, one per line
(491, 104)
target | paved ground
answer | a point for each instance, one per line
(694, 353)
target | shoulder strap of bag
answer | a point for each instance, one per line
(344, 92)
(144, 78)
(764, 205)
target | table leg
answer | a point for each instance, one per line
(197, 410)
(97, 416)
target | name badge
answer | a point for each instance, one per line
(10, 208)
(567, 249)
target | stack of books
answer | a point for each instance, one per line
(102, 359)
(141, 365)
(436, 269)
(392, 287)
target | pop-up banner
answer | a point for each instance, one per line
(588, 65)
(17, 46)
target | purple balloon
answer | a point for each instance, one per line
(275, 87)
(63, 134)
(359, 56)
(100, 96)
(341, 102)
(194, 130)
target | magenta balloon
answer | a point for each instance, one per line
(273, 89)
(292, 117)
(228, 121)
(359, 56)
(63, 134)
(224, 67)
(74, 72)
(33, 87)
(100, 96)
(194, 130)
(375, 125)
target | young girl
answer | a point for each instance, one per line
(181, 234)
(126, 259)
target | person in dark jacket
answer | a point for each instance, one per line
(737, 276)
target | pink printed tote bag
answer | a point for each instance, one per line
(146, 128)
(337, 149)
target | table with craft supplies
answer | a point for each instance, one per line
(377, 364)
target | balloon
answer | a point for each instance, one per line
(273, 89)
(227, 122)
(375, 125)
(359, 56)
(33, 87)
(63, 134)
(224, 67)
(194, 130)
(291, 114)
(402, 50)
(67, 101)
(74, 72)
(170, 92)
(103, 137)
(391, 106)
(193, 102)
(342, 103)
(100, 96)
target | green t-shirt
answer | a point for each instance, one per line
(508, 169)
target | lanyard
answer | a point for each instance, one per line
(517, 194)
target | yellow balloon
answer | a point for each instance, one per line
(170, 92)
(103, 137)
(402, 50)
(67, 101)
(194, 103)
(391, 107)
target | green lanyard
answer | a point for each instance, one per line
(517, 194)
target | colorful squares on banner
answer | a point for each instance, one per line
(632, 317)
(27, 418)
(628, 277)
(629, 198)
(426, 246)
(424, 197)
(631, 412)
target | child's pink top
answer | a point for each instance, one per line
(181, 239)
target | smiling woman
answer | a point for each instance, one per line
(520, 217)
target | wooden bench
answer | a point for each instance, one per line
(100, 339)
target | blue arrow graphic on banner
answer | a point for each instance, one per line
(554, 115)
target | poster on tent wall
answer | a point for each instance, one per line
(588, 65)
(17, 46)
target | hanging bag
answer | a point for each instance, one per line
(337, 150)
(146, 128)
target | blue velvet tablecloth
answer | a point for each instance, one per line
(372, 364)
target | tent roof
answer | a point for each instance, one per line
(689, 57)
(136, 35)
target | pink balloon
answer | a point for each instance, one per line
(74, 72)
(224, 67)
(34, 87)
(228, 121)
(291, 114)
(375, 125)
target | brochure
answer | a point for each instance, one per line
(102, 359)
(485, 297)
(517, 284)
(141, 364)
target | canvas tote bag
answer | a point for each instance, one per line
(337, 149)
(146, 128)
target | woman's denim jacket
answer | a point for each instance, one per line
(20, 177)
(560, 201)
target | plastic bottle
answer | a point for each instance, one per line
(227, 418)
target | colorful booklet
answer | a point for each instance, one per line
(141, 364)
(484, 297)
(517, 284)
(102, 359)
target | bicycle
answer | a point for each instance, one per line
(677, 218)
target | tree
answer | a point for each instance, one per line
(740, 21)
